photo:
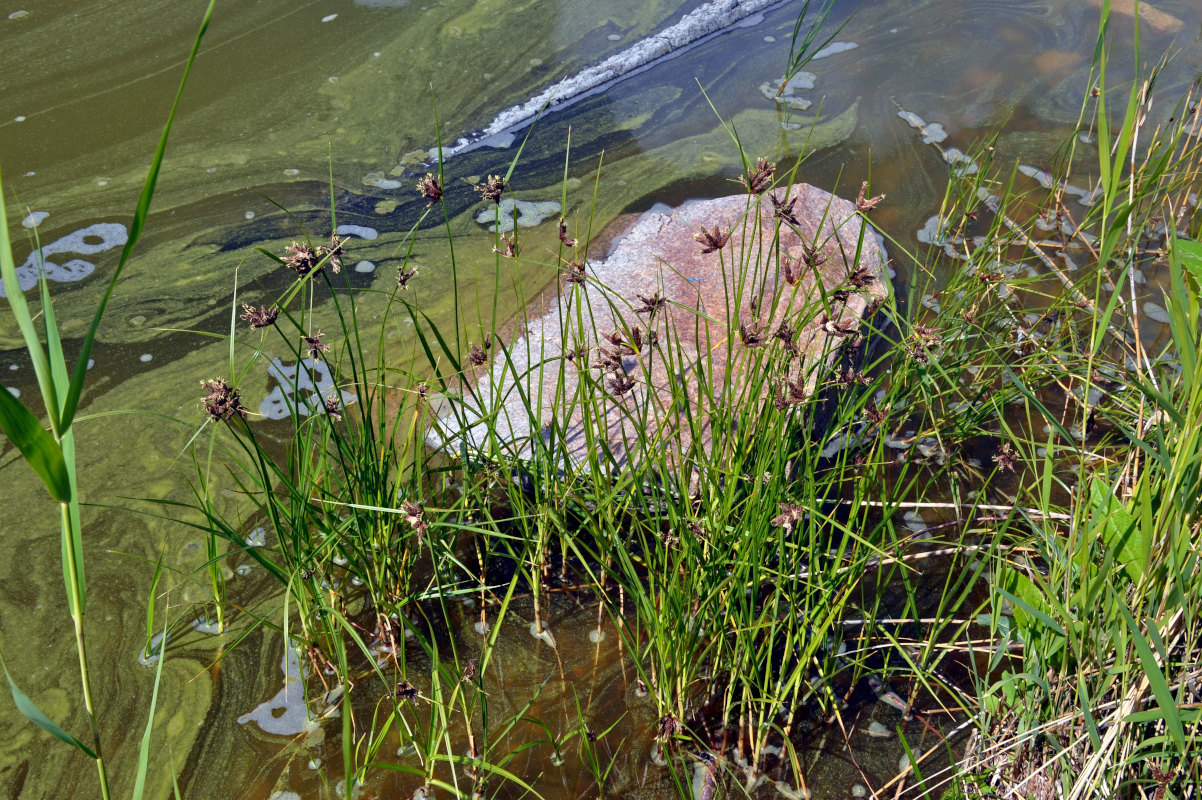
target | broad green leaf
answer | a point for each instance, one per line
(1191, 257)
(1120, 530)
(1021, 582)
(35, 715)
(36, 444)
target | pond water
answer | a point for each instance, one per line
(286, 93)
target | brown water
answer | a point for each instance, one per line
(280, 97)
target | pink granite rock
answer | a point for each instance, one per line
(603, 368)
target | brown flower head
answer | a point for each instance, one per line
(333, 409)
(478, 354)
(839, 327)
(568, 241)
(782, 210)
(864, 204)
(260, 317)
(667, 727)
(751, 335)
(791, 393)
(334, 252)
(861, 277)
(1005, 457)
(789, 515)
(403, 275)
(711, 240)
(622, 346)
(812, 256)
(849, 377)
(493, 188)
(415, 519)
(302, 258)
(469, 669)
(876, 416)
(509, 247)
(650, 305)
(430, 188)
(405, 691)
(222, 401)
(608, 360)
(573, 271)
(788, 335)
(636, 338)
(759, 179)
(315, 344)
(621, 384)
(791, 269)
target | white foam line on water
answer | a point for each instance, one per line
(693, 28)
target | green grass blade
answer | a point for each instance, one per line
(71, 401)
(36, 444)
(1160, 687)
(35, 715)
(144, 748)
(20, 308)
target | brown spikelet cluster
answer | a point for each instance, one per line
(333, 409)
(221, 401)
(864, 203)
(711, 241)
(430, 188)
(790, 270)
(861, 277)
(334, 252)
(849, 377)
(315, 345)
(759, 180)
(403, 275)
(568, 241)
(493, 188)
(839, 327)
(620, 384)
(790, 393)
(301, 259)
(479, 354)
(784, 210)
(415, 519)
(405, 691)
(649, 305)
(876, 416)
(1005, 458)
(751, 335)
(922, 342)
(812, 256)
(787, 335)
(260, 317)
(667, 727)
(509, 247)
(573, 271)
(790, 514)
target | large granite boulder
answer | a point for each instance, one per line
(640, 350)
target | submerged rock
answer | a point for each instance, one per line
(667, 320)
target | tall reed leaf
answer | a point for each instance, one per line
(37, 716)
(36, 443)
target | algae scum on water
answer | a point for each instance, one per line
(284, 93)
